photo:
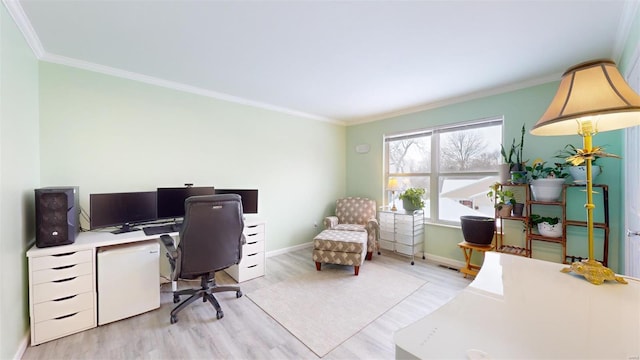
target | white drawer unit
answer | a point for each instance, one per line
(402, 232)
(61, 294)
(252, 264)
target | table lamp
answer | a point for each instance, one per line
(592, 97)
(393, 187)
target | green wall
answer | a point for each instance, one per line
(108, 134)
(365, 171)
(19, 175)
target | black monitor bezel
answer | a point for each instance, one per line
(124, 218)
(249, 200)
(174, 209)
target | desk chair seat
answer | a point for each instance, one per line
(211, 240)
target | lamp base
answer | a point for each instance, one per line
(394, 208)
(593, 271)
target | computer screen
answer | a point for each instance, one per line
(171, 200)
(249, 198)
(121, 209)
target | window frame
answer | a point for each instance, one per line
(434, 174)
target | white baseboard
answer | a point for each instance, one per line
(289, 249)
(445, 261)
(22, 347)
(430, 257)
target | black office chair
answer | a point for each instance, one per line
(211, 240)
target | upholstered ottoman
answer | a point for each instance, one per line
(340, 247)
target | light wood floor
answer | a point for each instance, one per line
(246, 332)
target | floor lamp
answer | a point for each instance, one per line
(592, 97)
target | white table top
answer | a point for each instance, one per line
(99, 238)
(525, 308)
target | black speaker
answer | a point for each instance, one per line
(57, 216)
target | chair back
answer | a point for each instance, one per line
(211, 237)
(355, 210)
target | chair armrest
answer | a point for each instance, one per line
(330, 222)
(372, 225)
(172, 252)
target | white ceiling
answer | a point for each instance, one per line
(343, 61)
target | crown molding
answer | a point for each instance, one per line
(459, 99)
(62, 60)
(22, 21)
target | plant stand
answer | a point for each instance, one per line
(467, 250)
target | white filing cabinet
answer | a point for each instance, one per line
(252, 264)
(402, 232)
(61, 294)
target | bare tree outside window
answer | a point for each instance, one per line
(466, 150)
(467, 156)
(410, 155)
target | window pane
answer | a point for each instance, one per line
(410, 155)
(464, 196)
(406, 182)
(471, 149)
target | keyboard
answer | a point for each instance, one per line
(161, 229)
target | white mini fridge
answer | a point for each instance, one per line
(128, 280)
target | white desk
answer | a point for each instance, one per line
(525, 308)
(62, 279)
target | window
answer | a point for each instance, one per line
(455, 164)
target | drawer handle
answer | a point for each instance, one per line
(251, 243)
(252, 254)
(63, 280)
(249, 267)
(65, 316)
(254, 234)
(65, 298)
(64, 254)
(252, 226)
(63, 267)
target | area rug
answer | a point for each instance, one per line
(325, 308)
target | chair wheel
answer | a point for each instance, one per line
(219, 314)
(174, 319)
(176, 299)
(412, 262)
(238, 294)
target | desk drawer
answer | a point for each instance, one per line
(62, 272)
(62, 288)
(251, 271)
(55, 328)
(252, 246)
(64, 259)
(54, 309)
(251, 259)
(253, 230)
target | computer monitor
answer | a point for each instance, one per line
(249, 198)
(171, 200)
(121, 209)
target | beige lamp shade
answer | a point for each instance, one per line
(593, 91)
(393, 185)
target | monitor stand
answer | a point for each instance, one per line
(125, 229)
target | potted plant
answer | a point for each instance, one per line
(575, 159)
(503, 198)
(546, 182)
(412, 199)
(518, 169)
(547, 226)
(507, 158)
